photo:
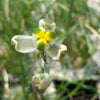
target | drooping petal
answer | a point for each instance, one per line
(54, 50)
(24, 43)
(47, 25)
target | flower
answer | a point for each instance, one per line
(42, 39)
(40, 82)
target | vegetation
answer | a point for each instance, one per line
(75, 23)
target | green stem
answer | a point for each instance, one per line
(70, 13)
(45, 67)
(23, 78)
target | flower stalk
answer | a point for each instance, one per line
(44, 64)
(23, 78)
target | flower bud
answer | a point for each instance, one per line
(40, 82)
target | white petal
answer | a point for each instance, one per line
(24, 43)
(47, 25)
(41, 24)
(54, 50)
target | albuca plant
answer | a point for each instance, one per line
(42, 42)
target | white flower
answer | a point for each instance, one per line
(42, 40)
(40, 82)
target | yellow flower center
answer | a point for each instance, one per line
(43, 38)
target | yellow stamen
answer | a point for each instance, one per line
(43, 38)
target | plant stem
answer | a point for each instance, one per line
(45, 66)
(70, 13)
(23, 78)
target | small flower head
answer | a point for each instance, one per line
(42, 39)
(40, 82)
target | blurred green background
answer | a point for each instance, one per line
(76, 22)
